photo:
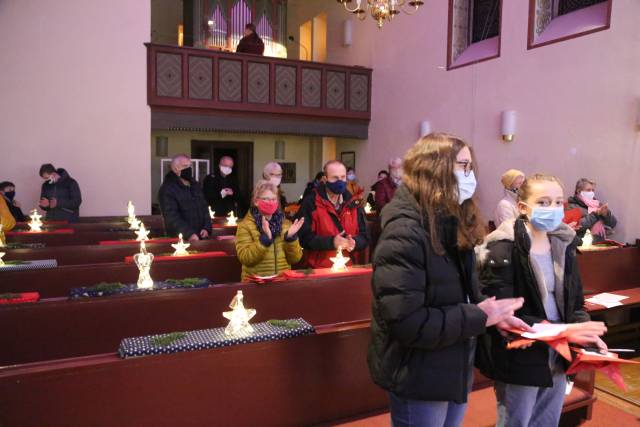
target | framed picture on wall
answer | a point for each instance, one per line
(288, 173)
(348, 158)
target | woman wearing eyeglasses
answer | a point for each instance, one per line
(534, 257)
(427, 310)
(267, 243)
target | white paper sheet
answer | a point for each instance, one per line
(542, 330)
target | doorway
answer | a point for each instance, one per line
(242, 154)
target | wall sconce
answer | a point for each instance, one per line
(180, 35)
(278, 153)
(347, 36)
(638, 114)
(425, 128)
(508, 125)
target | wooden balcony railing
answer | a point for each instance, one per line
(211, 80)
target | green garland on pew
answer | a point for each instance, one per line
(107, 287)
(15, 262)
(167, 339)
(10, 296)
(286, 324)
(189, 282)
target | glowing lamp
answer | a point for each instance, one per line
(142, 233)
(1, 235)
(339, 261)
(135, 224)
(143, 261)
(231, 219)
(212, 213)
(1, 255)
(131, 210)
(587, 240)
(238, 317)
(36, 222)
(368, 209)
(508, 125)
(180, 247)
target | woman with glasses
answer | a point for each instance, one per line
(267, 243)
(427, 310)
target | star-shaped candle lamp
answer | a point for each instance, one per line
(212, 213)
(238, 317)
(587, 240)
(35, 224)
(1, 235)
(368, 209)
(135, 224)
(142, 233)
(339, 261)
(180, 247)
(231, 219)
(1, 261)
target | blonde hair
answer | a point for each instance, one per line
(509, 176)
(261, 187)
(429, 176)
(525, 190)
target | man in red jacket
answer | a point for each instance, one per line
(332, 219)
(386, 188)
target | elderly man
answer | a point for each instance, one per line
(386, 188)
(60, 195)
(221, 190)
(332, 219)
(183, 206)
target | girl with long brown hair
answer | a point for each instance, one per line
(427, 309)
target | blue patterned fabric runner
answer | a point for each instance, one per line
(40, 264)
(87, 292)
(211, 338)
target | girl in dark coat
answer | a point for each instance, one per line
(426, 308)
(535, 257)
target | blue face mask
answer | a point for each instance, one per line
(338, 187)
(466, 185)
(546, 219)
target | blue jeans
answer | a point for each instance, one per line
(526, 406)
(422, 413)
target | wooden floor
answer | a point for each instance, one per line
(608, 411)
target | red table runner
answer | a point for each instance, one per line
(135, 242)
(24, 297)
(326, 272)
(22, 233)
(213, 254)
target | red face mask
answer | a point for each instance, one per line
(267, 207)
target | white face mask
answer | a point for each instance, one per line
(466, 185)
(351, 177)
(275, 180)
(588, 195)
(226, 170)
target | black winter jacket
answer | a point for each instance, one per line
(213, 185)
(423, 313)
(506, 272)
(66, 191)
(184, 208)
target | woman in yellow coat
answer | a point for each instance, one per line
(266, 242)
(6, 219)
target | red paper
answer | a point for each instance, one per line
(607, 365)
(59, 231)
(229, 237)
(24, 297)
(572, 215)
(326, 272)
(135, 242)
(159, 258)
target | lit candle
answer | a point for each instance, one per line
(35, 224)
(142, 233)
(180, 247)
(143, 261)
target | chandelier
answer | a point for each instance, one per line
(381, 10)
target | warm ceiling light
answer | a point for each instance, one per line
(381, 10)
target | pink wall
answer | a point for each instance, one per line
(73, 92)
(576, 100)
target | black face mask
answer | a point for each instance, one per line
(186, 174)
(10, 195)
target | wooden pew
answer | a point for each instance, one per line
(58, 282)
(92, 237)
(59, 328)
(295, 382)
(94, 254)
(610, 271)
